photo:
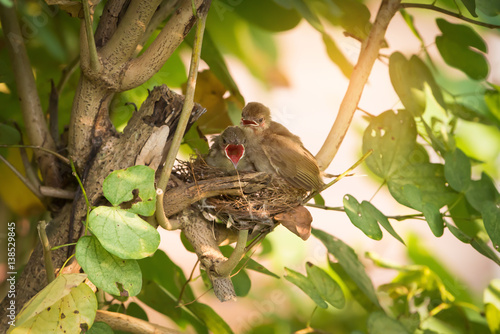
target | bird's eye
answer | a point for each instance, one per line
(261, 120)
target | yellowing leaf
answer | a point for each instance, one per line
(65, 305)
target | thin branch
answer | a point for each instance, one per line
(126, 323)
(66, 74)
(142, 68)
(47, 254)
(23, 179)
(181, 125)
(450, 13)
(33, 115)
(225, 268)
(165, 9)
(187, 282)
(41, 148)
(368, 55)
(57, 192)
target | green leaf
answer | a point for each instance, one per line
(241, 283)
(380, 323)
(481, 192)
(491, 220)
(455, 45)
(306, 285)
(434, 219)
(392, 138)
(119, 187)
(491, 299)
(110, 273)
(457, 170)
(472, 115)
(471, 6)
(489, 7)
(159, 266)
(409, 21)
(248, 262)
(213, 57)
(195, 141)
(9, 135)
(367, 207)
(362, 219)
(408, 77)
(123, 233)
(319, 200)
(100, 327)
(262, 13)
(336, 55)
(210, 318)
(349, 261)
(462, 34)
(492, 99)
(428, 179)
(66, 304)
(134, 310)
(326, 286)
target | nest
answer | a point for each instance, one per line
(264, 195)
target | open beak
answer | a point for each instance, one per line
(246, 122)
(234, 153)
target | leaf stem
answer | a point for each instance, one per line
(47, 253)
(183, 121)
(450, 13)
(225, 268)
(57, 155)
(75, 174)
(23, 179)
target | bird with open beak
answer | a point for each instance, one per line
(228, 151)
(273, 149)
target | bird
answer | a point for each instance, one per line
(273, 149)
(228, 151)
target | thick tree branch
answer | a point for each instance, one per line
(368, 55)
(122, 44)
(142, 68)
(33, 116)
(126, 323)
(450, 13)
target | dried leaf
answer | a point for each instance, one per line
(298, 220)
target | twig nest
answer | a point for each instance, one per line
(259, 199)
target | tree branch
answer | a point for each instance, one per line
(33, 116)
(47, 253)
(95, 64)
(187, 107)
(368, 55)
(142, 68)
(122, 44)
(450, 13)
(126, 323)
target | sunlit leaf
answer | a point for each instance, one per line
(120, 185)
(319, 200)
(367, 207)
(434, 219)
(361, 219)
(471, 6)
(326, 286)
(457, 170)
(306, 285)
(263, 13)
(470, 114)
(380, 323)
(66, 304)
(491, 299)
(349, 261)
(428, 179)
(123, 233)
(392, 138)
(492, 99)
(455, 45)
(108, 272)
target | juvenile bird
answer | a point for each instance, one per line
(273, 149)
(228, 151)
